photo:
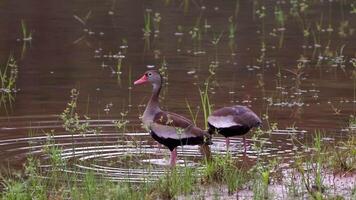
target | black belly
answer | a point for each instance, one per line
(173, 143)
(229, 131)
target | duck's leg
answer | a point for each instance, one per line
(227, 143)
(159, 146)
(245, 147)
(173, 159)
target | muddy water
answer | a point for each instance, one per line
(99, 48)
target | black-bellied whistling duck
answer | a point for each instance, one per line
(167, 128)
(233, 121)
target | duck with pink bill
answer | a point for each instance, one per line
(170, 129)
(233, 121)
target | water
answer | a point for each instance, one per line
(99, 48)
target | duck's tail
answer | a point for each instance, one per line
(211, 129)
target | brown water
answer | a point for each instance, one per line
(69, 51)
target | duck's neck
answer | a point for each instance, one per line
(153, 104)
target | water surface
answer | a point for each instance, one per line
(296, 72)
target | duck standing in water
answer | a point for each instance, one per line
(170, 129)
(233, 121)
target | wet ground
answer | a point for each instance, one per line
(292, 63)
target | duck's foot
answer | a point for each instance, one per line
(173, 159)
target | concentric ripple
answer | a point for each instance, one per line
(134, 157)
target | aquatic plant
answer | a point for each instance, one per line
(163, 70)
(280, 19)
(26, 37)
(343, 156)
(215, 41)
(262, 176)
(193, 115)
(205, 102)
(196, 37)
(147, 23)
(86, 31)
(8, 78)
(311, 169)
(8, 75)
(72, 121)
(156, 23)
(323, 34)
(185, 182)
(232, 28)
(175, 182)
(121, 124)
(353, 8)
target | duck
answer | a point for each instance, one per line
(231, 121)
(167, 128)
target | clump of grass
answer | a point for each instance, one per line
(8, 75)
(223, 170)
(88, 186)
(205, 102)
(175, 182)
(311, 170)
(8, 78)
(352, 122)
(260, 183)
(258, 141)
(72, 121)
(31, 187)
(344, 159)
(121, 124)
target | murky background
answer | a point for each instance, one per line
(292, 63)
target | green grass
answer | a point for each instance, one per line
(205, 102)
(8, 79)
(73, 122)
(147, 29)
(8, 75)
(193, 115)
(223, 171)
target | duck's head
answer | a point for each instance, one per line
(150, 76)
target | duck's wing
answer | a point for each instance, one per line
(246, 117)
(171, 125)
(239, 116)
(223, 118)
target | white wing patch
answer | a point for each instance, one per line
(164, 131)
(222, 121)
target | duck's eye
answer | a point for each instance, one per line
(149, 74)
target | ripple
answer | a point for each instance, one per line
(130, 156)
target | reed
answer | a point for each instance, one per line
(205, 102)
(147, 23)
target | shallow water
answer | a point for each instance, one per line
(68, 51)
